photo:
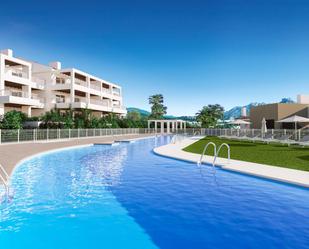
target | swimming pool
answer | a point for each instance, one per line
(125, 196)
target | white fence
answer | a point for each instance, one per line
(274, 133)
(28, 135)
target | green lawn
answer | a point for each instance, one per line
(272, 154)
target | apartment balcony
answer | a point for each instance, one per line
(119, 109)
(106, 90)
(80, 82)
(15, 72)
(16, 75)
(99, 102)
(18, 98)
(96, 87)
(40, 99)
(38, 83)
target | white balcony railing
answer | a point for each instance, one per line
(119, 106)
(106, 90)
(95, 87)
(116, 91)
(14, 93)
(16, 72)
(38, 97)
(80, 82)
(99, 102)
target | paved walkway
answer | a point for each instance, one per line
(12, 154)
(292, 176)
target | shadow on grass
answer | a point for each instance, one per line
(305, 157)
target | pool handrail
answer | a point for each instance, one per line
(199, 162)
(228, 151)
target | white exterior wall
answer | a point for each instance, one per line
(302, 99)
(41, 87)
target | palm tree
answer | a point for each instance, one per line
(209, 115)
(157, 108)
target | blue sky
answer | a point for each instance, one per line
(193, 52)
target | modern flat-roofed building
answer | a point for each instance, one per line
(278, 111)
(34, 88)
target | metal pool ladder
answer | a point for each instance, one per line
(4, 178)
(216, 153)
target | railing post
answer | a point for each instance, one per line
(69, 133)
(78, 132)
(33, 135)
(18, 135)
(58, 135)
(0, 136)
(47, 134)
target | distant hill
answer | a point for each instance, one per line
(145, 113)
(235, 111)
(232, 113)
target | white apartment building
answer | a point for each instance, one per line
(34, 88)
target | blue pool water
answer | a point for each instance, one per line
(127, 197)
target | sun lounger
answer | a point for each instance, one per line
(285, 139)
(304, 141)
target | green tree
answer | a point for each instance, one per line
(157, 107)
(209, 115)
(13, 120)
(53, 119)
(134, 116)
(68, 119)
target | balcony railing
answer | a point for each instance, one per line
(16, 72)
(38, 97)
(95, 87)
(106, 90)
(81, 82)
(14, 93)
(119, 107)
(116, 91)
(99, 102)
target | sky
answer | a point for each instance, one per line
(195, 53)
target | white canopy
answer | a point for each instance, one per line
(239, 122)
(294, 119)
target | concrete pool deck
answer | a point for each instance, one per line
(291, 176)
(12, 154)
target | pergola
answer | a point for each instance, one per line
(172, 125)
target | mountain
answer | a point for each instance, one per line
(145, 113)
(142, 112)
(235, 111)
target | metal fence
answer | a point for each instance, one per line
(33, 135)
(273, 133)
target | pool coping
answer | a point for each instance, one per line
(290, 176)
